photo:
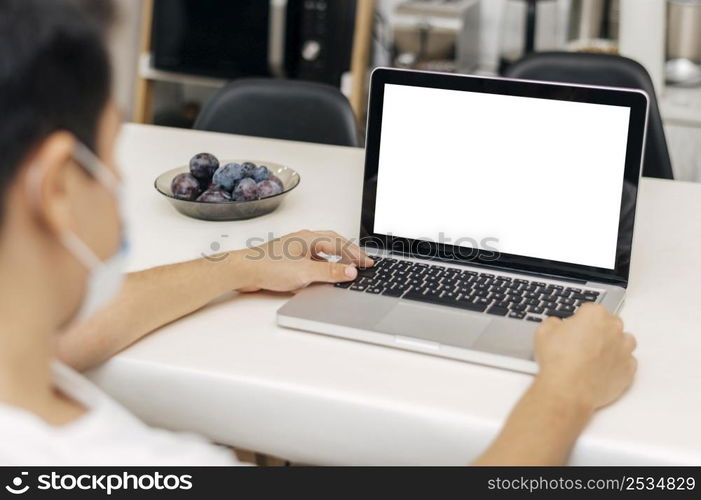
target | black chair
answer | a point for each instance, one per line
(281, 109)
(609, 71)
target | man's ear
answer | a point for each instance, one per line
(47, 174)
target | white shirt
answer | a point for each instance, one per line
(107, 434)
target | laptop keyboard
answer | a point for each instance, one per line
(470, 290)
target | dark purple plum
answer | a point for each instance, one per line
(227, 176)
(268, 188)
(203, 166)
(185, 187)
(248, 168)
(214, 195)
(277, 181)
(260, 173)
(246, 190)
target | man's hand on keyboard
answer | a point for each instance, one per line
(296, 260)
(586, 362)
(587, 356)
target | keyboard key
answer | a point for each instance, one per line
(449, 296)
(517, 314)
(558, 314)
(420, 295)
(536, 309)
(428, 296)
(366, 272)
(534, 318)
(359, 287)
(471, 306)
(394, 292)
(345, 284)
(498, 311)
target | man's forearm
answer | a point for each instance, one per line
(541, 429)
(148, 300)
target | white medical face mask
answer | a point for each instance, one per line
(106, 278)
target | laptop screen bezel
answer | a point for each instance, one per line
(636, 100)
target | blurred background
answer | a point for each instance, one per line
(171, 56)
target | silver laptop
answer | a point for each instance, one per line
(489, 205)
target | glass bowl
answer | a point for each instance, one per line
(229, 210)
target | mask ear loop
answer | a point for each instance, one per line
(94, 166)
(80, 251)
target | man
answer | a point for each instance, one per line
(60, 236)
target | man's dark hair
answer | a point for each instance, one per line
(54, 75)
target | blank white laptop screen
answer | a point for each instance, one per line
(541, 178)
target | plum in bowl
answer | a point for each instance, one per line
(228, 192)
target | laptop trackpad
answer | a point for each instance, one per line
(444, 326)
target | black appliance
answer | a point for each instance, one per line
(306, 39)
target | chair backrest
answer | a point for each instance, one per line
(609, 71)
(281, 109)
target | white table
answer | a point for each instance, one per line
(230, 373)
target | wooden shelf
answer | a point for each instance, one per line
(147, 75)
(148, 72)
